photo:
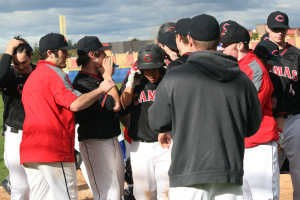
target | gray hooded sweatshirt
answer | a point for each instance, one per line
(209, 106)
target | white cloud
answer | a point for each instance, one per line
(118, 20)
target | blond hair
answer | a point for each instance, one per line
(206, 45)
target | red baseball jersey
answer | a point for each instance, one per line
(49, 126)
(256, 71)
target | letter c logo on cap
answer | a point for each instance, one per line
(279, 18)
(224, 29)
(148, 58)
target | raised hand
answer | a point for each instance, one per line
(107, 85)
(134, 77)
(12, 45)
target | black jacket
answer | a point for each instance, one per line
(209, 106)
(99, 120)
(11, 86)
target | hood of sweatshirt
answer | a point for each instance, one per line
(217, 65)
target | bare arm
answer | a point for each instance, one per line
(108, 71)
(172, 54)
(280, 122)
(87, 99)
(5, 61)
(126, 97)
(125, 121)
(134, 77)
(12, 45)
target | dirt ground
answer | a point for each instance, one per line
(286, 190)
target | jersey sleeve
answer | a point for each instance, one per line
(105, 101)
(254, 114)
(63, 91)
(263, 84)
(5, 64)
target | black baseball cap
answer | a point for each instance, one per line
(278, 20)
(166, 27)
(204, 28)
(150, 56)
(168, 39)
(90, 43)
(54, 41)
(232, 32)
(182, 26)
(265, 37)
(268, 51)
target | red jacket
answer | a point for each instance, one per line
(49, 126)
(256, 71)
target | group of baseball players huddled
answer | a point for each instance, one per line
(199, 123)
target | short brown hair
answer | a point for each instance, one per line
(207, 45)
(184, 39)
(43, 55)
(23, 47)
(83, 58)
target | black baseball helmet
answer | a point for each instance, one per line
(150, 56)
(166, 27)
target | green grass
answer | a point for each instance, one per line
(3, 169)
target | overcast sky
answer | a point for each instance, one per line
(118, 20)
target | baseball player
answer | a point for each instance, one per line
(12, 79)
(47, 147)
(267, 47)
(165, 27)
(168, 43)
(277, 27)
(99, 125)
(261, 170)
(209, 106)
(182, 43)
(149, 162)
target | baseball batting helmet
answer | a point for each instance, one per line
(166, 27)
(150, 56)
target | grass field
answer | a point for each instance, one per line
(3, 169)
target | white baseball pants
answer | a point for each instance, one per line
(150, 164)
(82, 166)
(291, 149)
(18, 178)
(52, 181)
(261, 172)
(216, 191)
(104, 163)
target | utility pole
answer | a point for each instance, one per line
(62, 25)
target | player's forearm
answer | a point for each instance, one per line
(115, 95)
(86, 100)
(125, 120)
(126, 97)
(280, 122)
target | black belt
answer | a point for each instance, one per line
(14, 130)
